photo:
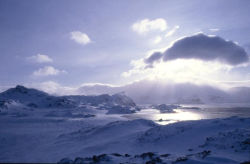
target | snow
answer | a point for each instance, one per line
(112, 129)
(50, 140)
(190, 140)
(148, 158)
(105, 99)
(32, 99)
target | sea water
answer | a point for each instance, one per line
(194, 112)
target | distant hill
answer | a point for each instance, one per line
(34, 98)
(157, 92)
(38, 99)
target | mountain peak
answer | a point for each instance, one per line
(20, 86)
(121, 93)
(21, 89)
(20, 93)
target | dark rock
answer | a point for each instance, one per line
(204, 154)
(117, 154)
(247, 141)
(65, 161)
(127, 155)
(166, 108)
(246, 162)
(165, 155)
(102, 157)
(149, 155)
(181, 159)
(32, 105)
(79, 160)
(154, 160)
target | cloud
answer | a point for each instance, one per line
(40, 58)
(80, 37)
(154, 57)
(202, 47)
(214, 29)
(55, 88)
(171, 32)
(47, 71)
(157, 40)
(144, 26)
(181, 70)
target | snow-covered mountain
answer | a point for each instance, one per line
(98, 89)
(34, 98)
(111, 100)
(240, 94)
(156, 92)
(23, 97)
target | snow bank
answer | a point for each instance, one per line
(203, 141)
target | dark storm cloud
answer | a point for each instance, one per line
(202, 47)
(154, 57)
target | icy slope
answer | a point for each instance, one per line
(109, 131)
(34, 98)
(225, 139)
(50, 140)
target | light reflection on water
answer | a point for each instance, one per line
(203, 112)
(166, 118)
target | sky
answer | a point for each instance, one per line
(70, 43)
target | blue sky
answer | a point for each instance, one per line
(37, 43)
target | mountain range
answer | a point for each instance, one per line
(148, 92)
